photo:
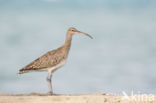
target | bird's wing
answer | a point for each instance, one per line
(49, 59)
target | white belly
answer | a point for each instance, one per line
(53, 69)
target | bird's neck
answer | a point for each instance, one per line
(68, 40)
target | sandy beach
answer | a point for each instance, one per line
(81, 98)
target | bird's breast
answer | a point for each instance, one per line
(59, 65)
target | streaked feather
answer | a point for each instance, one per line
(48, 60)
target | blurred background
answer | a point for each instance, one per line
(121, 57)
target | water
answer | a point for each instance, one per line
(121, 57)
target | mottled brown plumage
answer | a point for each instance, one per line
(52, 60)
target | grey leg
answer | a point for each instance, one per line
(49, 83)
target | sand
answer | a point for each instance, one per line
(80, 98)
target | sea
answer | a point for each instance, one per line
(121, 57)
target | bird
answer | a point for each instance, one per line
(54, 59)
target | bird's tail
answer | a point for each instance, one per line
(22, 71)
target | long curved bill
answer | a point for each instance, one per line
(85, 34)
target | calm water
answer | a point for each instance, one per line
(121, 57)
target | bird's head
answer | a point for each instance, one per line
(72, 31)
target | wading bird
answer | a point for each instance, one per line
(52, 60)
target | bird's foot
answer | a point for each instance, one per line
(50, 93)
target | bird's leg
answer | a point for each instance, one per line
(49, 80)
